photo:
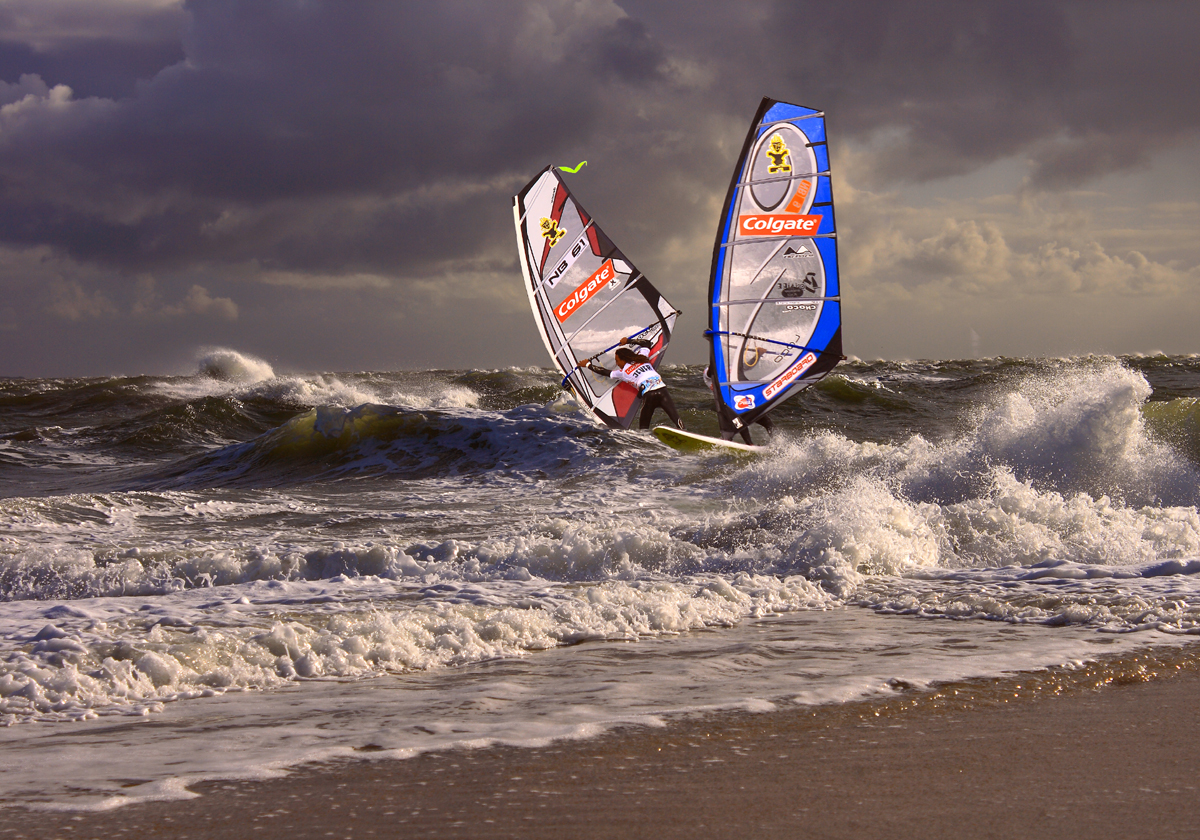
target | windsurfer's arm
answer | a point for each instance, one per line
(594, 368)
(640, 342)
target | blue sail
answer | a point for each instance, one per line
(776, 315)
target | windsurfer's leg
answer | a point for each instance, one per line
(767, 423)
(668, 405)
(728, 428)
(648, 405)
(725, 422)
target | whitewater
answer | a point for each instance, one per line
(233, 572)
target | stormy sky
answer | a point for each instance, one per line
(327, 185)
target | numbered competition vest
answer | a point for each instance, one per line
(641, 374)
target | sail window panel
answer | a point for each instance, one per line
(585, 287)
(764, 338)
(619, 317)
(815, 147)
(792, 268)
(780, 152)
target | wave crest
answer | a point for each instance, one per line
(231, 366)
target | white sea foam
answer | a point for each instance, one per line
(231, 366)
(75, 660)
(1072, 431)
(453, 535)
(226, 372)
(578, 692)
(287, 611)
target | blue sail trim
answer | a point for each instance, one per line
(787, 111)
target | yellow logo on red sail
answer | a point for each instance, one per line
(778, 224)
(601, 276)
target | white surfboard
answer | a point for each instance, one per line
(692, 442)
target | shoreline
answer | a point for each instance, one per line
(1109, 750)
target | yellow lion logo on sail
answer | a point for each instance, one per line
(780, 157)
(551, 231)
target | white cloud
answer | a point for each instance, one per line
(197, 301)
(29, 95)
(71, 301)
(968, 256)
(30, 84)
(33, 110)
(46, 24)
(906, 252)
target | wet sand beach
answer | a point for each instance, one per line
(1046, 756)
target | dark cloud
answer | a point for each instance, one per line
(239, 140)
(107, 68)
(626, 52)
(1062, 165)
(970, 82)
(282, 102)
(282, 107)
(966, 82)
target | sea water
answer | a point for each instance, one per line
(229, 573)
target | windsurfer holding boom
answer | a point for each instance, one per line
(637, 370)
(725, 416)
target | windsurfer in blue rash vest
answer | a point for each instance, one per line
(637, 370)
(725, 416)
